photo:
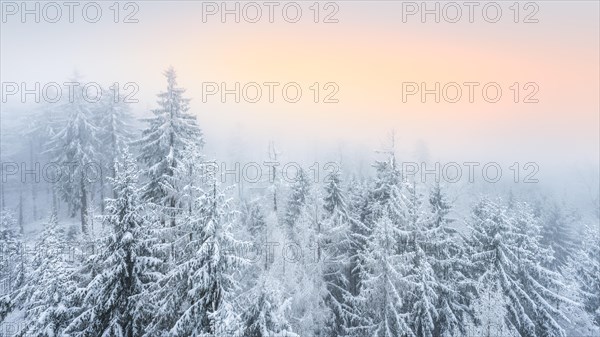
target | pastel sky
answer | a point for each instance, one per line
(369, 53)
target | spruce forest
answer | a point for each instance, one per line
(141, 239)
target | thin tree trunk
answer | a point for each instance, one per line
(101, 192)
(84, 210)
(318, 233)
(172, 204)
(33, 183)
(71, 209)
(21, 229)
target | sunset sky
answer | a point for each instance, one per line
(369, 53)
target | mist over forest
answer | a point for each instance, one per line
(115, 224)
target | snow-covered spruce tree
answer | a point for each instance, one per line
(407, 205)
(115, 132)
(75, 145)
(376, 257)
(388, 175)
(45, 293)
(113, 304)
(334, 199)
(422, 303)
(413, 246)
(444, 249)
(303, 273)
(296, 201)
(586, 268)
(335, 243)
(558, 232)
(400, 199)
(509, 259)
(490, 310)
(400, 206)
(263, 299)
(379, 303)
(191, 174)
(170, 131)
(266, 315)
(256, 224)
(253, 220)
(368, 203)
(387, 186)
(358, 205)
(195, 297)
(12, 262)
(301, 269)
(309, 313)
(384, 194)
(439, 207)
